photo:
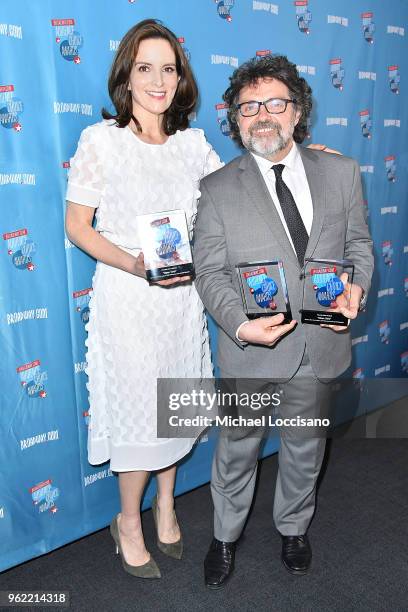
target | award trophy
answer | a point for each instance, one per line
(263, 289)
(322, 285)
(165, 244)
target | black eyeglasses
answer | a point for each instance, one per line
(274, 106)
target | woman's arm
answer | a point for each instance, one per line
(78, 225)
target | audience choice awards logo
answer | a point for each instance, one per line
(368, 27)
(387, 252)
(10, 108)
(68, 39)
(81, 301)
(222, 118)
(358, 374)
(337, 73)
(21, 249)
(183, 46)
(303, 16)
(87, 417)
(44, 496)
(394, 79)
(32, 379)
(404, 362)
(365, 123)
(224, 8)
(391, 168)
(384, 330)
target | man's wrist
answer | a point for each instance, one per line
(238, 330)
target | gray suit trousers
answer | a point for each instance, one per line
(300, 459)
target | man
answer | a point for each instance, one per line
(278, 201)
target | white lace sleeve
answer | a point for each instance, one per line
(85, 179)
(212, 161)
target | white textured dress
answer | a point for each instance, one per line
(136, 332)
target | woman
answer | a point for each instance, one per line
(142, 159)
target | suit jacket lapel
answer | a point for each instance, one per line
(317, 186)
(254, 184)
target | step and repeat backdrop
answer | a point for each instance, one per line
(55, 58)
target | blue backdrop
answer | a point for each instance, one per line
(55, 62)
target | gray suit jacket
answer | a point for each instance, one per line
(237, 221)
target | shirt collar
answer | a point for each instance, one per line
(290, 160)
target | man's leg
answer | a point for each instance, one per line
(232, 489)
(300, 460)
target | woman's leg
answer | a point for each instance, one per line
(131, 487)
(168, 529)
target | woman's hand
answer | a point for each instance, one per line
(321, 147)
(173, 281)
(139, 270)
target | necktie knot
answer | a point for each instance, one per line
(278, 169)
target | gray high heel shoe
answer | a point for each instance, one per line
(173, 549)
(147, 570)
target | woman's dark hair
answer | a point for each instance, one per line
(185, 99)
(275, 67)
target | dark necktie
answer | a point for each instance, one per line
(291, 213)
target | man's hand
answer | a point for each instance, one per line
(321, 147)
(347, 302)
(265, 330)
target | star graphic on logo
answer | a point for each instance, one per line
(30, 266)
(58, 40)
(54, 509)
(43, 393)
(77, 59)
(17, 127)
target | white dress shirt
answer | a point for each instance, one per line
(294, 176)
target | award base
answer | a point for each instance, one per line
(330, 318)
(158, 274)
(287, 316)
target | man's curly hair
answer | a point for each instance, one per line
(269, 66)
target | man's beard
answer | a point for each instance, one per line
(267, 146)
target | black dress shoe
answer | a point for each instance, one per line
(219, 563)
(296, 554)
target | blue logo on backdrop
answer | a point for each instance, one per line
(223, 122)
(404, 362)
(10, 108)
(368, 27)
(394, 79)
(406, 286)
(303, 16)
(365, 123)
(387, 252)
(337, 73)
(391, 168)
(44, 495)
(32, 379)
(68, 39)
(21, 249)
(384, 331)
(224, 7)
(186, 51)
(81, 301)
